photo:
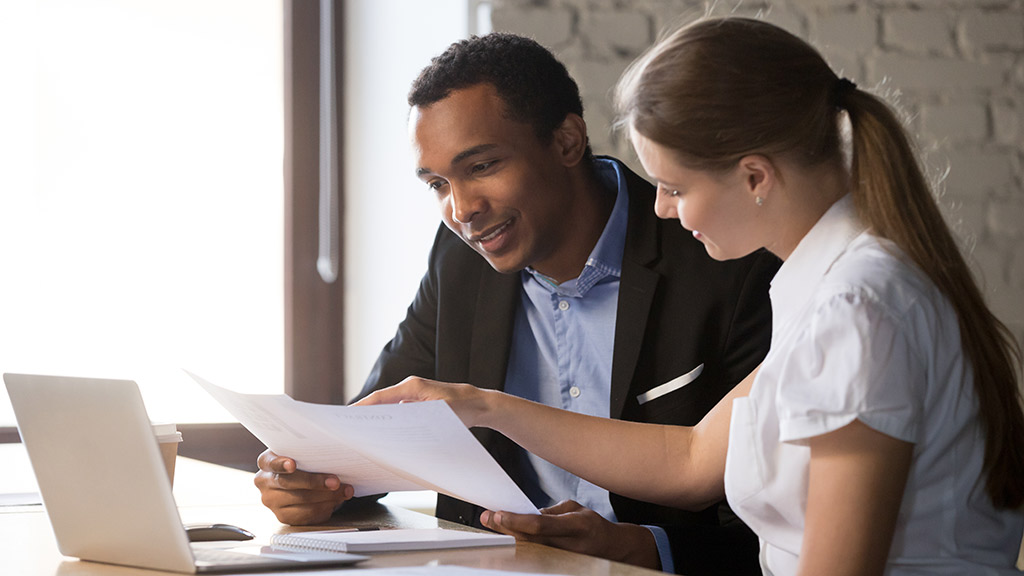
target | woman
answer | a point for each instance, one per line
(884, 432)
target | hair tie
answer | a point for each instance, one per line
(840, 89)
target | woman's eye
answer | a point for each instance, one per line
(669, 191)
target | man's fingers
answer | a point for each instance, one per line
(295, 496)
(571, 526)
(271, 462)
(531, 526)
(280, 472)
(279, 499)
(302, 487)
(563, 507)
(307, 481)
(302, 507)
(489, 519)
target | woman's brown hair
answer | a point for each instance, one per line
(720, 89)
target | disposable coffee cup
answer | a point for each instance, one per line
(168, 436)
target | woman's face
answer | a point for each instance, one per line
(719, 208)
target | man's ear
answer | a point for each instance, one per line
(570, 140)
(759, 175)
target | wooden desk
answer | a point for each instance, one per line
(210, 493)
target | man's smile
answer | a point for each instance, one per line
(494, 239)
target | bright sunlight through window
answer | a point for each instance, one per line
(141, 195)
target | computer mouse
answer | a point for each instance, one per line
(212, 532)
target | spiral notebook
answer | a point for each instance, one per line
(388, 540)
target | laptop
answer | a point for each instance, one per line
(104, 485)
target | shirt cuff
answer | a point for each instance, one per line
(664, 549)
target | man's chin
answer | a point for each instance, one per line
(504, 265)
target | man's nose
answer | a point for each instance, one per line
(466, 204)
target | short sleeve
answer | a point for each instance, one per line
(854, 359)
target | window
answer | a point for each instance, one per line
(141, 215)
(157, 211)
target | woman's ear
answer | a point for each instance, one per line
(760, 176)
(570, 139)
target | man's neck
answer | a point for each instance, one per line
(587, 223)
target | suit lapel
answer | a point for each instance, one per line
(491, 342)
(636, 289)
(490, 347)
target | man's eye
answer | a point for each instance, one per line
(436, 185)
(481, 167)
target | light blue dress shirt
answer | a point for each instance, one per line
(562, 351)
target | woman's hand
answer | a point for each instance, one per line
(470, 403)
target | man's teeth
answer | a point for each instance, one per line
(494, 234)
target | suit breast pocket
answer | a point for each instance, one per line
(679, 401)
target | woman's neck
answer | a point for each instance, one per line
(807, 193)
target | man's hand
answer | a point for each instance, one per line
(570, 526)
(297, 497)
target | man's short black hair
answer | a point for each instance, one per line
(534, 85)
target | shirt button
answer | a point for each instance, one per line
(563, 305)
(574, 392)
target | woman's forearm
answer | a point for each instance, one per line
(672, 465)
(675, 466)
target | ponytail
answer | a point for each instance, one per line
(893, 198)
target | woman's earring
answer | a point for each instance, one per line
(759, 200)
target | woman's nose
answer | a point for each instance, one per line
(665, 205)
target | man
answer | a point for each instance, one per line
(553, 279)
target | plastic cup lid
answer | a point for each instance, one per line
(166, 432)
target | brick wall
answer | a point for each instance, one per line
(955, 68)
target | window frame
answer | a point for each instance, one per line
(314, 309)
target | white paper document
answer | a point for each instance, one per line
(388, 540)
(376, 449)
(432, 570)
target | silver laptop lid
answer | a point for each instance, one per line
(99, 471)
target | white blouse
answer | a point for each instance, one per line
(858, 333)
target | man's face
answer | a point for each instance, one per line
(501, 189)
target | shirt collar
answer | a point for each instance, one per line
(800, 274)
(606, 257)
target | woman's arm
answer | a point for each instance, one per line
(671, 465)
(857, 477)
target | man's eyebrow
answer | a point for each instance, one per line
(470, 152)
(459, 157)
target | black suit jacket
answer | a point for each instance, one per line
(678, 308)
